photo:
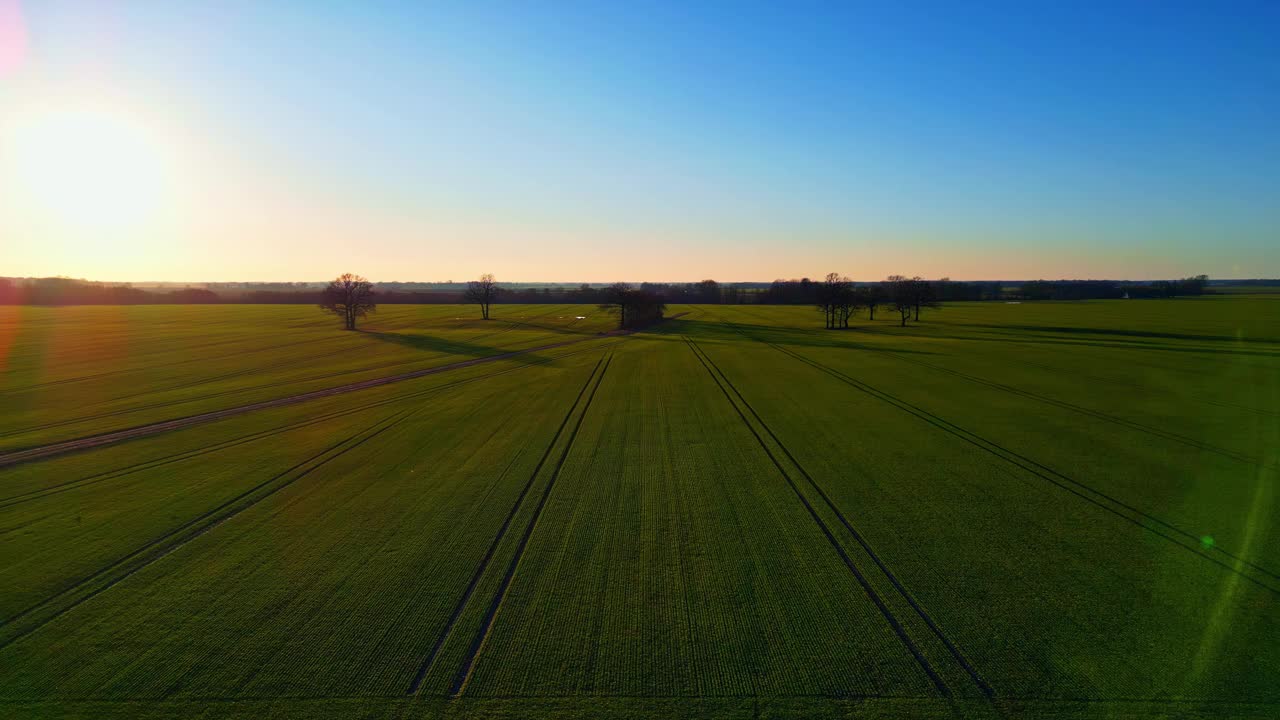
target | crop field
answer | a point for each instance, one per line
(1043, 509)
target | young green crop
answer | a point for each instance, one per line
(1060, 509)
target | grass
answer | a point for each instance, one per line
(71, 372)
(1044, 509)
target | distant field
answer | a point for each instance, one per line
(1053, 509)
(1246, 289)
(69, 372)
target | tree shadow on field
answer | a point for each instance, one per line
(844, 339)
(465, 350)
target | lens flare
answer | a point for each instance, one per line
(13, 38)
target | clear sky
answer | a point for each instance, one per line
(638, 140)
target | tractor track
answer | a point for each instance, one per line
(1055, 369)
(146, 368)
(465, 672)
(955, 652)
(93, 441)
(233, 391)
(187, 385)
(1075, 487)
(144, 556)
(1096, 414)
(862, 580)
(186, 455)
(461, 605)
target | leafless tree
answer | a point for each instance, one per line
(483, 292)
(850, 301)
(634, 307)
(836, 300)
(617, 298)
(871, 296)
(349, 297)
(925, 295)
(902, 296)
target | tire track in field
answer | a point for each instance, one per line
(1129, 384)
(120, 569)
(1096, 414)
(186, 385)
(186, 455)
(430, 659)
(1045, 366)
(465, 672)
(65, 446)
(210, 396)
(164, 351)
(1152, 518)
(1075, 487)
(233, 391)
(875, 597)
(858, 536)
(162, 461)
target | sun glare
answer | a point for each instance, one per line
(88, 169)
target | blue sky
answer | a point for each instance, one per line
(597, 141)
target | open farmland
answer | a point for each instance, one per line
(1055, 509)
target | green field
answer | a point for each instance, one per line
(1031, 510)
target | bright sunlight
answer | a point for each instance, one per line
(87, 169)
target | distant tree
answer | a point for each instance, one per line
(616, 299)
(708, 292)
(871, 297)
(1188, 286)
(824, 303)
(646, 307)
(849, 302)
(902, 296)
(835, 300)
(483, 292)
(633, 307)
(349, 297)
(924, 294)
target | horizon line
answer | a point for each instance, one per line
(610, 282)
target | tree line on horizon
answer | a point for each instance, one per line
(68, 291)
(351, 297)
(838, 298)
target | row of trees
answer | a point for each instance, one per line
(68, 291)
(351, 297)
(811, 292)
(838, 298)
(1111, 289)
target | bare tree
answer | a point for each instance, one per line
(483, 292)
(925, 295)
(634, 307)
(617, 298)
(349, 297)
(871, 296)
(835, 300)
(902, 296)
(645, 307)
(850, 301)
